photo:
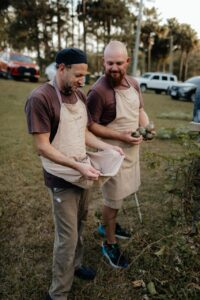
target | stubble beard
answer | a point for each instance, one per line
(68, 89)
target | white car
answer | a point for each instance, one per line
(50, 71)
(157, 81)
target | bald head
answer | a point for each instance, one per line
(116, 61)
(115, 48)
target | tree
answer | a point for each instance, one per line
(188, 42)
(36, 33)
(149, 34)
(103, 18)
(4, 4)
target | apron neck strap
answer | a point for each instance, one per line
(127, 81)
(57, 91)
(53, 82)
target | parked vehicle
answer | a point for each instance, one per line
(157, 81)
(185, 90)
(50, 71)
(18, 66)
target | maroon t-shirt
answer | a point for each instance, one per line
(101, 100)
(43, 114)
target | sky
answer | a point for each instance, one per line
(185, 11)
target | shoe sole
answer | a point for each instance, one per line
(122, 237)
(116, 235)
(110, 261)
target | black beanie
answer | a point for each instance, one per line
(71, 56)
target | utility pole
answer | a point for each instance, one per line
(137, 40)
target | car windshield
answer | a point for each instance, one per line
(146, 75)
(22, 58)
(195, 80)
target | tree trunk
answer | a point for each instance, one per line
(149, 58)
(186, 65)
(84, 28)
(58, 24)
(37, 44)
(181, 65)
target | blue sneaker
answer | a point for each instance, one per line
(85, 273)
(114, 256)
(120, 232)
(101, 230)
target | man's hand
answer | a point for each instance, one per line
(88, 171)
(127, 138)
(118, 149)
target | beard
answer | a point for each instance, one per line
(68, 89)
(115, 78)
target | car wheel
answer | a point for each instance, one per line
(174, 97)
(8, 74)
(143, 88)
(157, 91)
(33, 79)
(167, 92)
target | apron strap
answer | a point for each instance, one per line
(57, 91)
(54, 84)
(129, 83)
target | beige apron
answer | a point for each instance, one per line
(127, 180)
(70, 141)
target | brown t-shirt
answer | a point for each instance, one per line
(101, 100)
(43, 114)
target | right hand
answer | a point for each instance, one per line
(88, 171)
(127, 138)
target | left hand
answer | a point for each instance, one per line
(118, 149)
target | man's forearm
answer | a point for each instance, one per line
(45, 149)
(143, 118)
(105, 132)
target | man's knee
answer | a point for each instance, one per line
(114, 204)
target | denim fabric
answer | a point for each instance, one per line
(196, 112)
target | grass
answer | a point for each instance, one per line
(161, 252)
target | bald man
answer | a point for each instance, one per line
(116, 107)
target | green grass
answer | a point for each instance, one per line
(160, 250)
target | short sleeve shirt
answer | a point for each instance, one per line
(43, 114)
(101, 100)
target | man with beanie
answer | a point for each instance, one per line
(57, 118)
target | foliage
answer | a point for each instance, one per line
(31, 24)
(57, 24)
(182, 173)
(106, 19)
(174, 115)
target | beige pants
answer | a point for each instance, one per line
(70, 207)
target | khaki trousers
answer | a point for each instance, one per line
(70, 207)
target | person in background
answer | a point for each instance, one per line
(57, 118)
(196, 111)
(117, 110)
